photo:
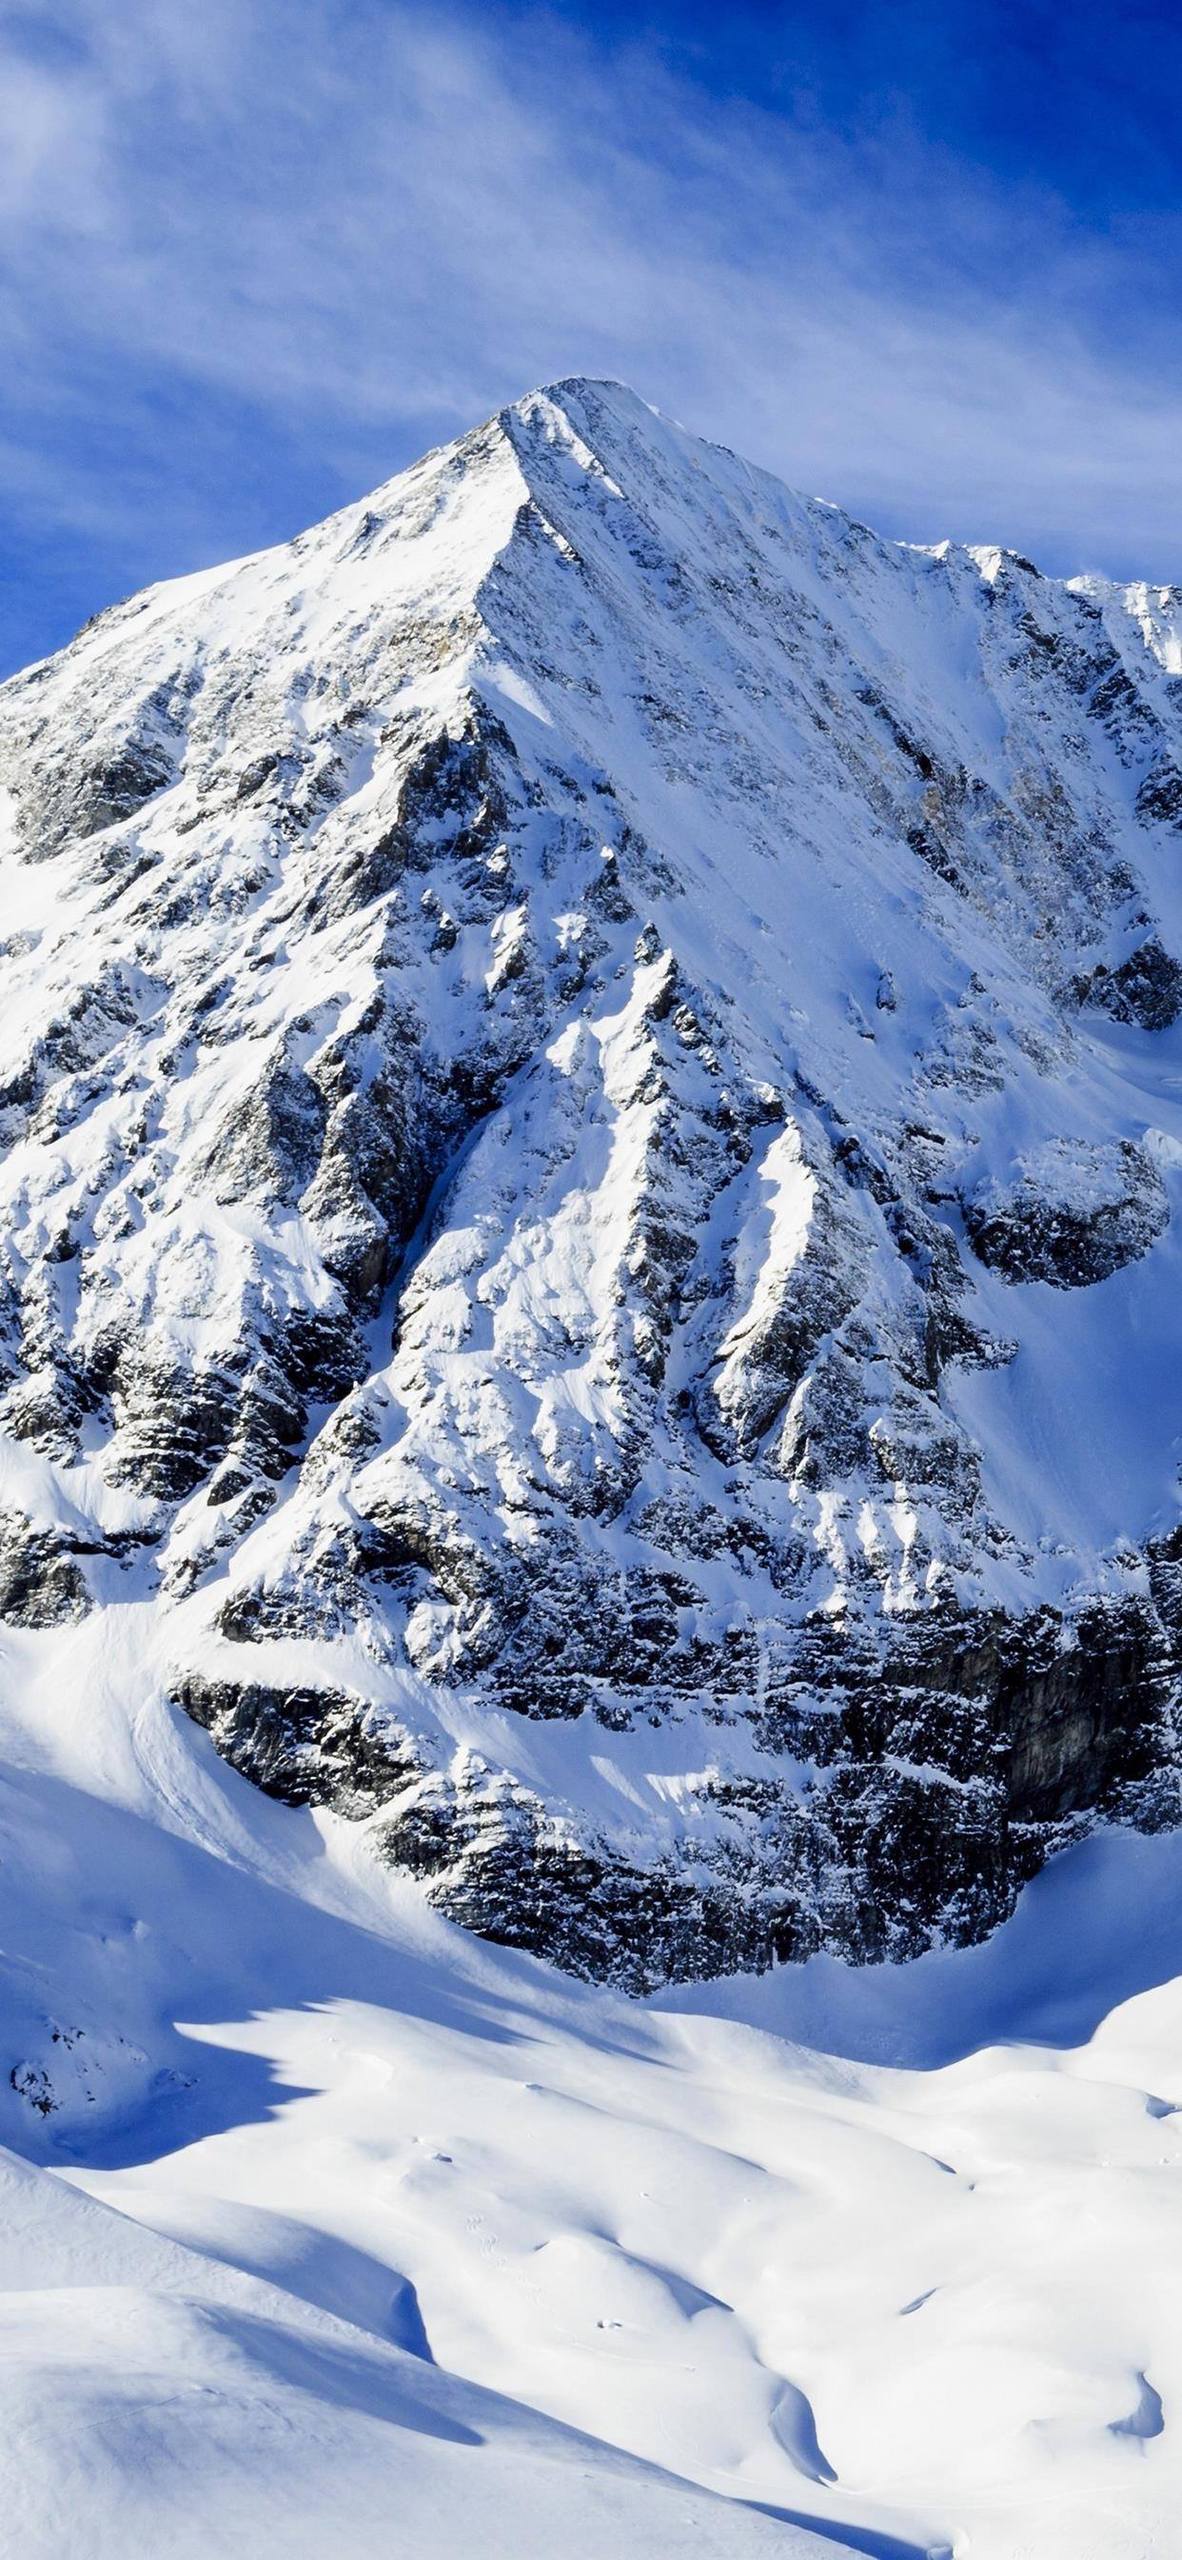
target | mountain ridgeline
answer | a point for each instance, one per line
(591, 1123)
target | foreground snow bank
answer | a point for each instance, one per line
(324, 2222)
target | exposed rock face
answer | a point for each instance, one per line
(1072, 1213)
(306, 1746)
(42, 1584)
(1146, 988)
(559, 1033)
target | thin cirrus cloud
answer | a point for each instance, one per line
(256, 256)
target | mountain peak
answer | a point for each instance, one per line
(588, 1186)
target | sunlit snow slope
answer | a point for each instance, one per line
(589, 1090)
(327, 2228)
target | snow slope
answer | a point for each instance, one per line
(590, 1094)
(325, 2222)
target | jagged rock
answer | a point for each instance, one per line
(1072, 1213)
(1146, 988)
(269, 1146)
(42, 1583)
(307, 1746)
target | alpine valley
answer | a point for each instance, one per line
(591, 1298)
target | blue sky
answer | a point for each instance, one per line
(257, 254)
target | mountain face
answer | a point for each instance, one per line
(591, 1104)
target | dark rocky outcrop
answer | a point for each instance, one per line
(1074, 1213)
(42, 1583)
(306, 1746)
(926, 1789)
(1145, 989)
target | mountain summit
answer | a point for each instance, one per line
(591, 1097)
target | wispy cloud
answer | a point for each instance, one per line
(256, 253)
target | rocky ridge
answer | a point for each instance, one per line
(591, 1098)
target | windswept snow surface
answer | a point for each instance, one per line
(325, 2226)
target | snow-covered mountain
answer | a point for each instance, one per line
(591, 1098)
